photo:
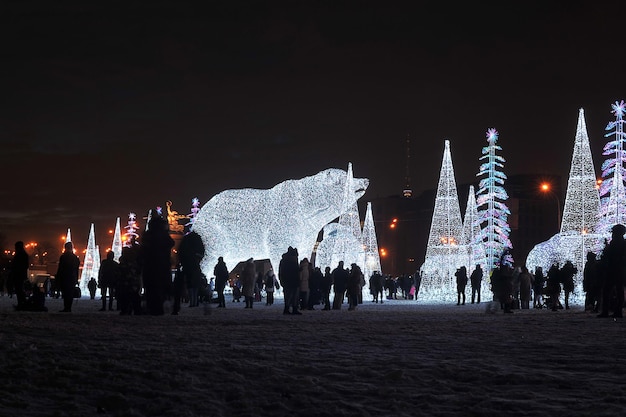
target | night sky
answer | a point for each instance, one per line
(113, 107)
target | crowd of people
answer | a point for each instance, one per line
(142, 281)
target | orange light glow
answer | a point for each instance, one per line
(545, 186)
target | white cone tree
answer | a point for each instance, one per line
(91, 266)
(116, 246)
(471, 236)
(444, 252)
(370, 245)
(582, 201)
(347, 247)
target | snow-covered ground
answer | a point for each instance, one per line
(401, 358)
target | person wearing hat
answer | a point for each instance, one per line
(614, 259)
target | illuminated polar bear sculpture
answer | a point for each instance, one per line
(262, 224)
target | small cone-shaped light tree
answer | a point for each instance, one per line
(347, 247)
(443, 251)
(131, 229)
(471, 236)
(612, 195)
(116, 246)
(582, 201)
(370, 245)
(91, 266)
(492, 211)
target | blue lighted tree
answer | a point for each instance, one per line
(612, 195)
(490, 201)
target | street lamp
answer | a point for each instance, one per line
(547, 188)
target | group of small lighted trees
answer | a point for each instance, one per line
(91, 261)
(590, 209)
(479, 239)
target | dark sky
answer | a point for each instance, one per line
(113, 107)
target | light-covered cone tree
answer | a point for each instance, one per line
(471, 236)
(444, 252)
(582, 201)
(370, 245)
(91, 264)
(116, 246)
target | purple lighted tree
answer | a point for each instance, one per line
(612, 195)
(492, 211)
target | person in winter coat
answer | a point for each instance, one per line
(67, 276)
(340, 281)
(614, 269)
(108, 276)
(476, 279)
(567, 273)
(553, 287)
(315, 283)
(353, 286)
(377, 286)
(128, 288)
(325, 286)
(461, 283)
(540, 280)
(289, 276)
(221, 278)
(19, 274)
(248, 282)
(525, 284)
(305, 273)
(590, 283)
(155, 260)
(271, 284)
(190, 253)
(92, 286)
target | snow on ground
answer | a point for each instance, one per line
(401, 358)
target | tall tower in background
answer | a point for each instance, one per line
(407, 192)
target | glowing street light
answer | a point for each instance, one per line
(546, 188)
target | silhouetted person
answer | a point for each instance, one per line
(553, 287)
(476, 279)
(325, 286)
(92, 286)
(353, 286)
(129, 285)
(592, 285)
(461, 283)
(19, 274)
(526, 280)
(190, 253)
(340, 282)
(567, 278)
(614, 264)
(221, 278)
(108, 277)
(540, 280)
(289, 276)
(271, 284)
(156, 265)
(377, 286)
(67, 276)
(248, 282)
